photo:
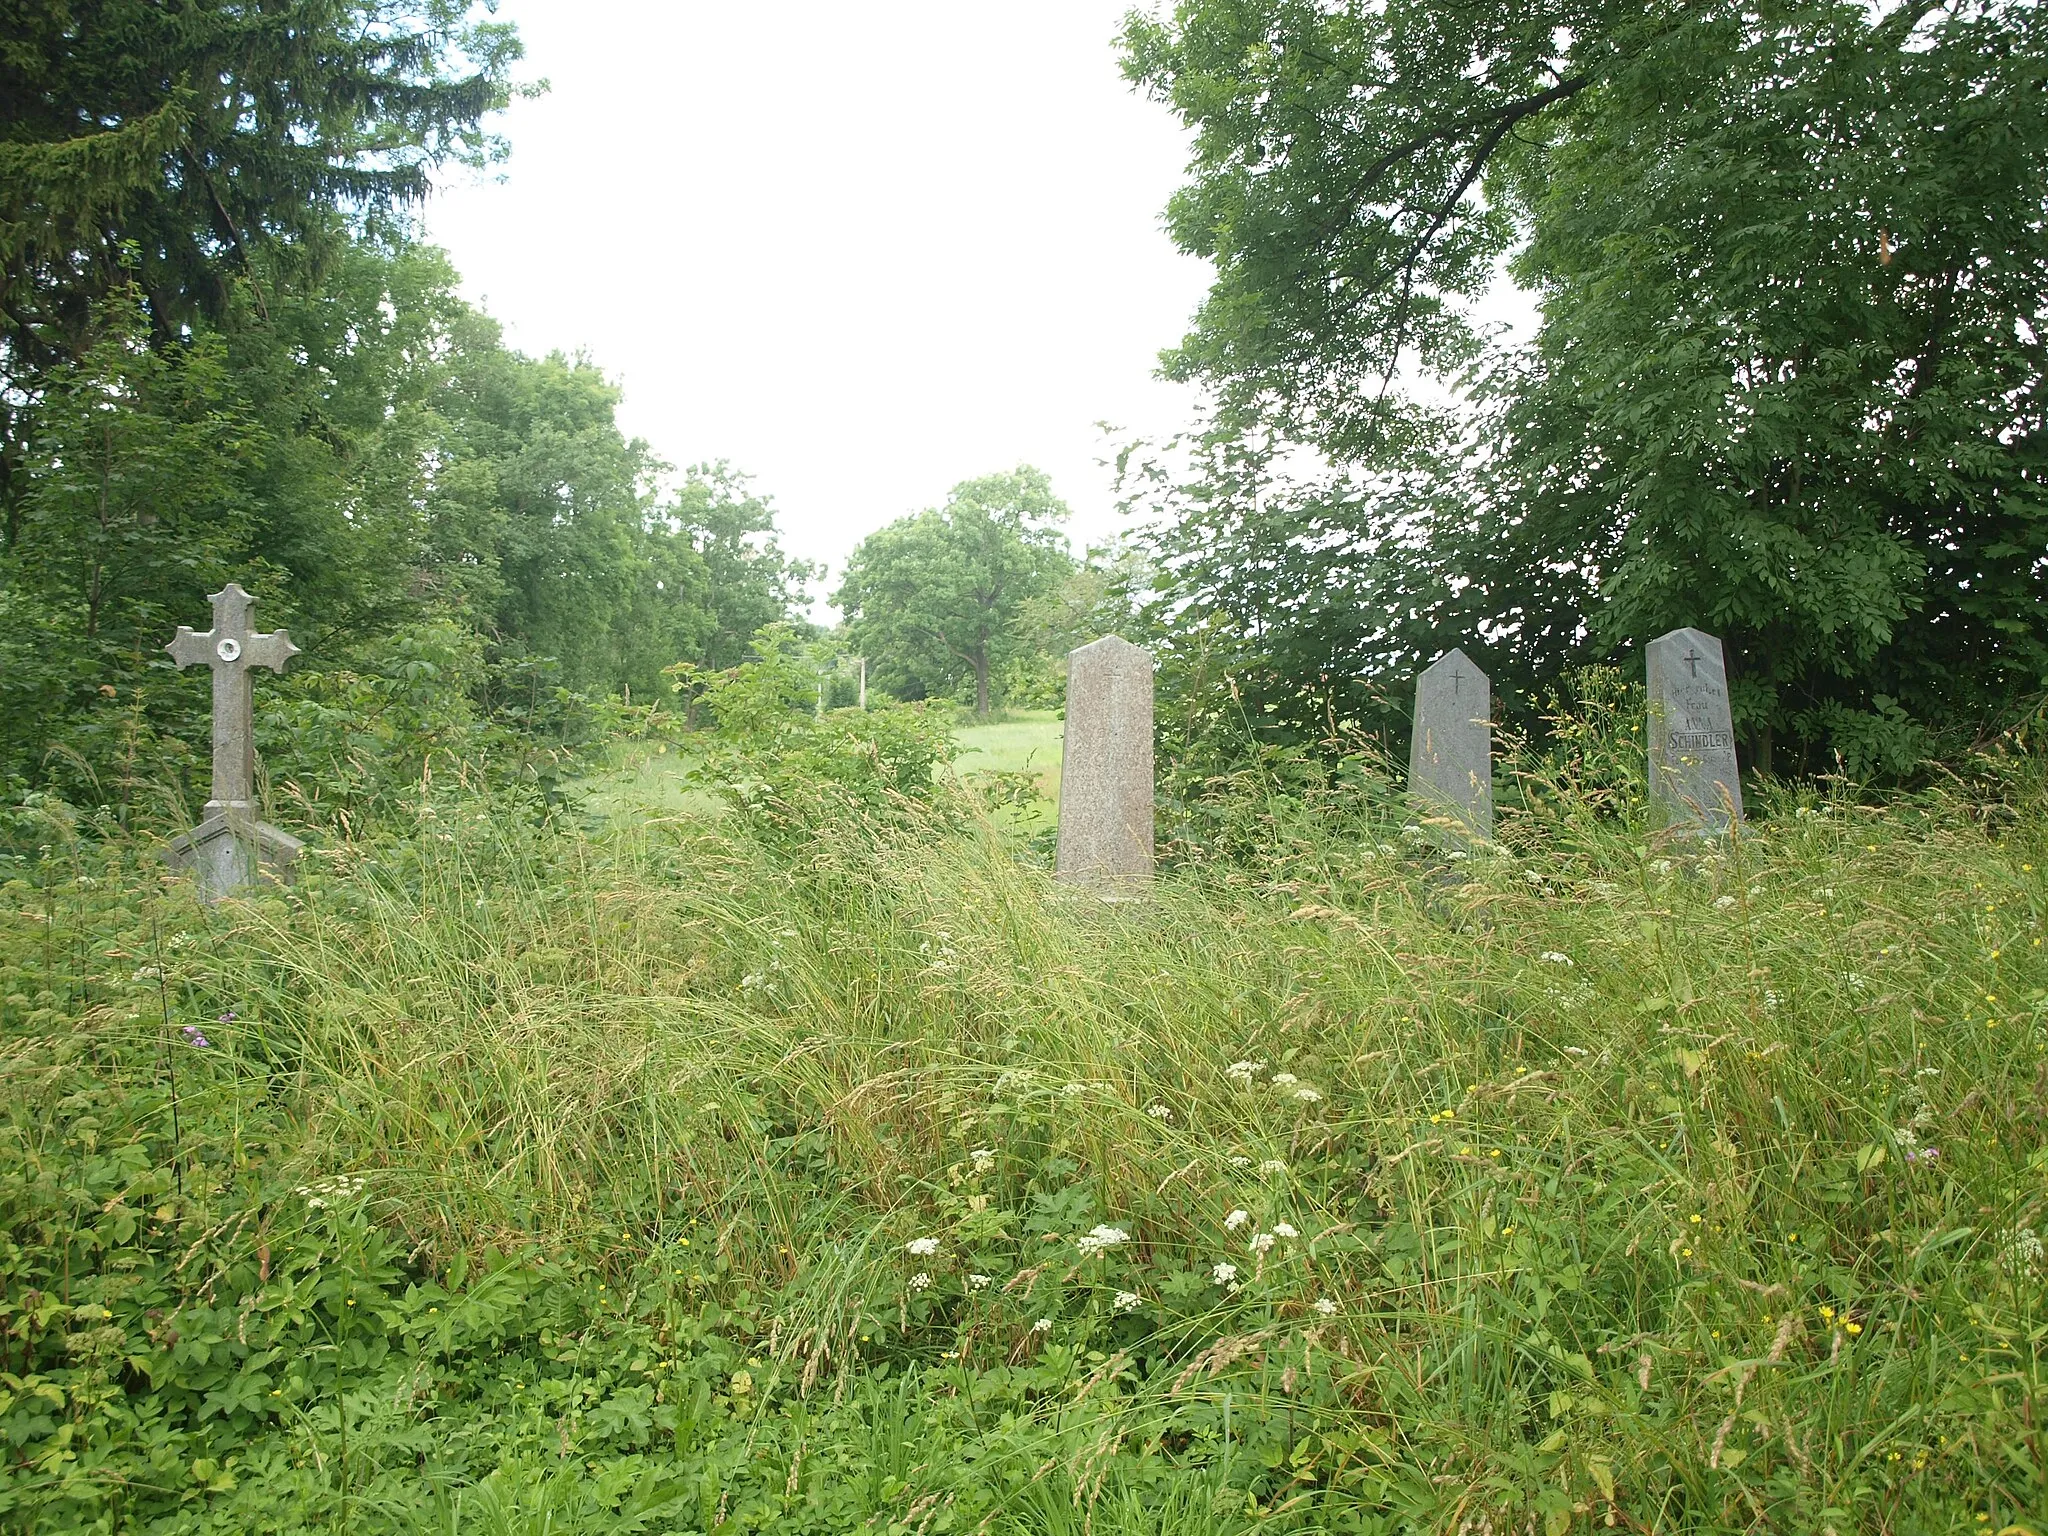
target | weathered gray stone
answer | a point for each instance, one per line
(1693, 776)
(1105, 835)
(225, 853)
(1450, 753)
(232, 846)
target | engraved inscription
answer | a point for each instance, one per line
(1702, 741)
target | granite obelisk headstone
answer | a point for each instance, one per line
(1693, 777)
(1450, 754)
(231, 844)
(1105, 833)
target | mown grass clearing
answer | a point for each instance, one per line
(652, 776)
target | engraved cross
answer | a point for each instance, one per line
(231, 648)
(1692, 660)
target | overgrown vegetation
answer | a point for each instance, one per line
(514, 1176)
(1787, 264)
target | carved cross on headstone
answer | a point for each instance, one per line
(1450, 754)
(230, 844)
(1694, 778)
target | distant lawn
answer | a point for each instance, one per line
(1025, 741)
(1029, 740)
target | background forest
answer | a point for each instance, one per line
(225, 356)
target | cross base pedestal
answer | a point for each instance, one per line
(231, 849)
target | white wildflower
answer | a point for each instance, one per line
(1724, 902)
(1074, 1090)
(1534, 877)
(920, 1281)
(1285, 1229)
(1223, 1274)
(1756, 890)
(1099, 1238)
(1236, 1219)
(1327, 1307)
(1240, 1161)
(1244, 1071)
(978, 1282)
(1284, 1079)
(921, 1247)
(1262, 1242)
(1043, 1325)
(1575, 1050)
(1308, 1095)
(1555, 957)
(1158, 1111)
(1272, 1165)
(1928, 1072)
(2023, 1248)
(1126, 1301)
(1660, 866)
(983, 1158)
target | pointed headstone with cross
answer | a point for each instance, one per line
(1450, 754)
(1693, 777)
(231, 845)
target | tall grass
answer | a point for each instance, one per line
(1595, 1180)
(1695, 1185)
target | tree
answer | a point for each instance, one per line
(750, 581)
(188, 150)
(1788, 379)
(938, 596)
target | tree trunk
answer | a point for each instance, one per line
(981, 685)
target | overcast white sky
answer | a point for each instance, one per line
(862, 251)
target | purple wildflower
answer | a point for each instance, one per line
(228, 1017)
(193, 1035)
(1925, 1154)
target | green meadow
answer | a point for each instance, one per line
(661, 1173)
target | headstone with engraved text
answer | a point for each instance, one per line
(1105, 831)
(1450, 753)
(231, 845)
(1693, 777)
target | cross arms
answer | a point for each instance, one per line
(189, 648)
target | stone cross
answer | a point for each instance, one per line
(1694, 782)
(1105, 831)
(230, 844)
(1450, 753)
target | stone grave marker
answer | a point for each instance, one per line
(231, 845)
(1450, 754)
(1693, 777)
(1105, 829)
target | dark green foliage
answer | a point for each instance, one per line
(201, 138)
(791, 767)
(376, 466)
(1787, 381)
(749, 582)
(224, 358)
(939, 598)
(211, 155)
